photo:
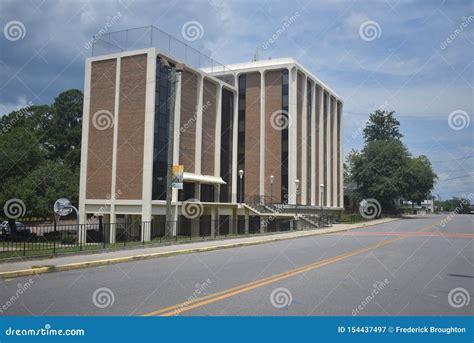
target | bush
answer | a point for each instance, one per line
(69, 239)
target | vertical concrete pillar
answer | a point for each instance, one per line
(312, 127)
(247, 220)
(214, 217)
(262, 137)
(195, 223)
(262, 225)
(304, 144)
(234, 144)
(113, 225)
(292, 135)
(335, 162)
(148, 136)
(321, 128)
(341, 157)
(328, 152)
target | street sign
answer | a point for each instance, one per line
(177, 176)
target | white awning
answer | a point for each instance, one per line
(191, 177)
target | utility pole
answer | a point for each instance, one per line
(173, 76)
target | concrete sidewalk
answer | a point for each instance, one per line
(70, 262)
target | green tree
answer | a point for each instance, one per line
(419, 179)
(382, 125)
(378, 171)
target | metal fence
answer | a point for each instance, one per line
(44, 240)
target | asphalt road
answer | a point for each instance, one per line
(407, 267)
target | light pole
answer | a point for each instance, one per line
(173, 76)
(272, 178)
(241, 175)
(297, 184)
(321, 187)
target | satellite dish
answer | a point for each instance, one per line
(62, 207)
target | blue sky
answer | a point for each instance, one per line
(418, 62)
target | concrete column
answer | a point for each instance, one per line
(292, 136)
(148, 135)
(341, 155)
(113, 225)
(304, 144)
(314, 180)
(217, 131)
(234, 145)
(84, 144)
(198, 151)
(262, 134)
(335, 147)
(214, 217)
(195, 223)
(328, 153)
(262, 225)
(247, 222)
(320, 138)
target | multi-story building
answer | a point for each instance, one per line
(260, 142)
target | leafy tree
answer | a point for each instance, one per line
(40, 154)
(382, 125)
(378, 171)
(418, 178)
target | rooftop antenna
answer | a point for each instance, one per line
(255, 57)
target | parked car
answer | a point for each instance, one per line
(5, 230)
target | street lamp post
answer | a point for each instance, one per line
(241, 175)
(297, 184)
(321, 186)
(272, 178)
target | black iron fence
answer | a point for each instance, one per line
(44, 240)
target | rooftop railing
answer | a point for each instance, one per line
(152, 37)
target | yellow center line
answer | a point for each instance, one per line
(230, 292)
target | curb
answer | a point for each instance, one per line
(104, 262)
